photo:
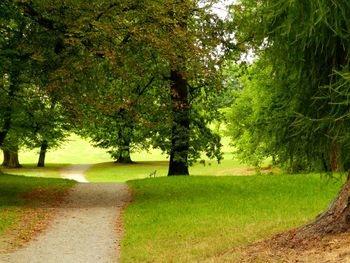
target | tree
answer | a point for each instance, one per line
(28, 52)
(186, 41)
(119, 116)
(176, 42)
(307, 50)
(173, 41)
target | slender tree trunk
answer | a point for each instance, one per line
(124, 154)
(334, 157)
(6, 124)
(8, 113)
(180, 132)
(6, 159)
(42, 155)
(324, 163)
(12, 158)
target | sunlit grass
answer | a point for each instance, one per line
(191, 219)
(112, 172)
(74, 151)
(146, 162)
(50, 170)
(77, 151)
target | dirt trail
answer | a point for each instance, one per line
(84, 229)
(76, 172)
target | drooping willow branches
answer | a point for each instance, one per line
(307, 46)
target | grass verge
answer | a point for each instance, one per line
(112, 172)
(49, 171)
(74, 151)
(191, 219)
(26, 206)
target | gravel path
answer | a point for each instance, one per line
(75, 172)
(83, 231)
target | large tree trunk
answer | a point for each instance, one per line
(11, 158)
(6, 159)
(335, 220)
(42, 154)
(180, 132)
(124, 154)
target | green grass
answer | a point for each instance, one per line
(111, 172)
(191, 219)
(49, 171)
(74, 151)
(14, 190)
(77, 150)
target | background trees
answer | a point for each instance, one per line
(148, 70)
(30, 52)
(297, 81)
(300, 98)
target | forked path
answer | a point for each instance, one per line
(85, 229)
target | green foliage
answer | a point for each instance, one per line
(304, 47)
(109, 66)
(28, 52)
(120, 116)
(124, 54)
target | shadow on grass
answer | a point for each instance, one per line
(33, 167)
(134, 164)
(25, 191)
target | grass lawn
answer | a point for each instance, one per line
(20, 202)
(77, 151)
(148, 161)
(49, 171)
(111, 172)
(74, 151)
(198, 218)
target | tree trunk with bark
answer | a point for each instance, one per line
(333, 221)
(180, 132)
(42, 154)
(8, 110)
(6, 159)
(124, 154)
(11, 158)
(324, 163)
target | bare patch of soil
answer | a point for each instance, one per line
(335, 248)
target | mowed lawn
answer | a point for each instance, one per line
(112, 172)
(145, 162)
(203, 217)
(77, 150)
(49, 171)
(199, 218)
